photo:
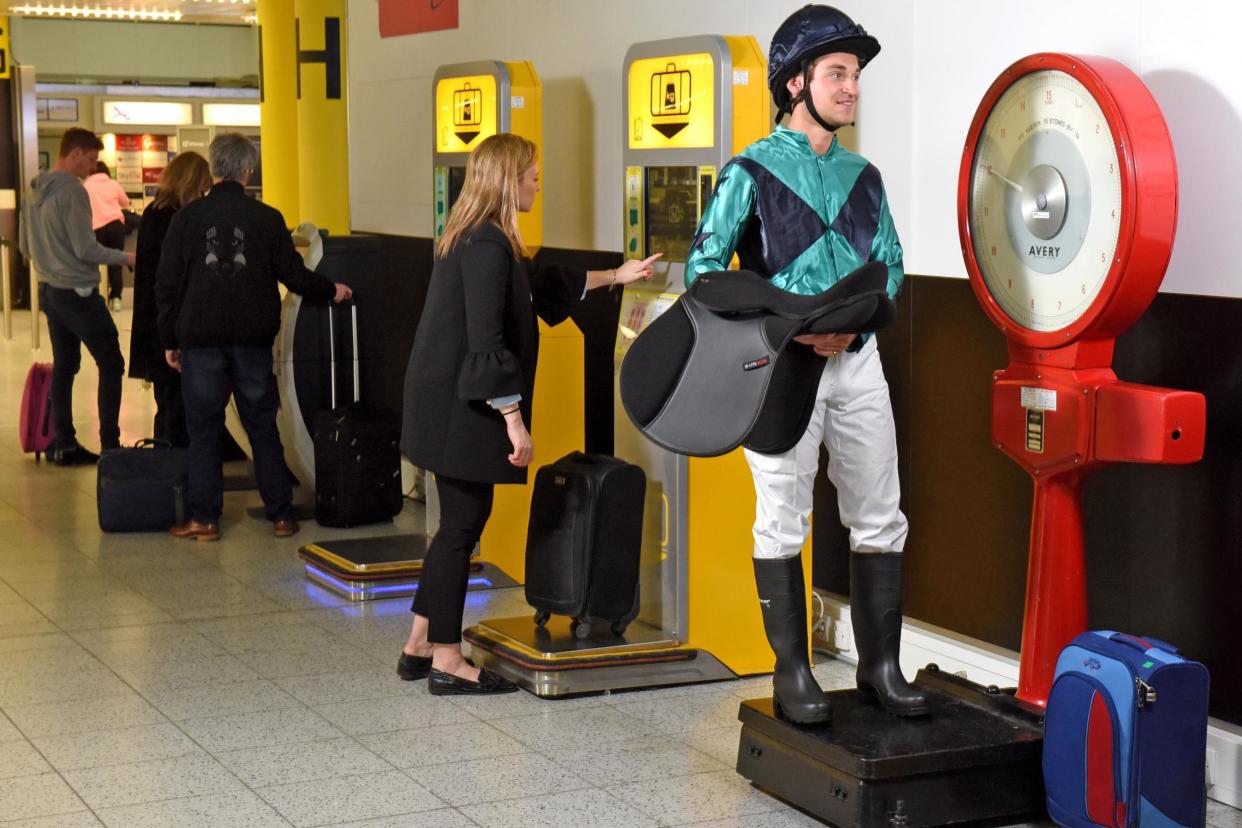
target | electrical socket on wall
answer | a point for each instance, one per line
(841, 638)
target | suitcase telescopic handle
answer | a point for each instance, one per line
(353, 324)
(331, 359)
(1142, 644)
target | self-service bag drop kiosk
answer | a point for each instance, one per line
(691, 104)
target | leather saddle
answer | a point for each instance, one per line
(720, 369)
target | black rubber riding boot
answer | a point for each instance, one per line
(875, 612)
(782, 595)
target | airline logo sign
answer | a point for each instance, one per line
(465, 112)
(672, 102)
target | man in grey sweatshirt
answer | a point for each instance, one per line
(55, 232)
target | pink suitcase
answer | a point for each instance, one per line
(36, 417)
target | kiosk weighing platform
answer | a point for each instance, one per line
(691, 104)
(1067, 204)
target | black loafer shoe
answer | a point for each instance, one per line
(412, 667)
(75, 456)
(440, 683)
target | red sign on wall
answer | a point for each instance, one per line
(402, 17)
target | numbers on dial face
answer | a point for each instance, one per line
(1045, 201)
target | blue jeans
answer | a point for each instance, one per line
(74, 321)
(208, 375)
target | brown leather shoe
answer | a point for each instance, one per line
(285, 527)
(197, 531)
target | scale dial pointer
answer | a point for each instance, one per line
(1015, 185)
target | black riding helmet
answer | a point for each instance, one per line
(808, 33)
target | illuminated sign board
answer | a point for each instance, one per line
(672, 102)
(154, 113)
(231, 114)
(465, 112)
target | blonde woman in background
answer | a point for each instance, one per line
(187, 177)
(468, 385)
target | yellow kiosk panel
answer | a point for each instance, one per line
(474, 101)
(672, 102)
(465, 112)
(751, 102)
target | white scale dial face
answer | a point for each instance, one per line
(1045, 201)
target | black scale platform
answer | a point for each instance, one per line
(974, 759)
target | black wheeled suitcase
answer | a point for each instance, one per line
(584, 541)
(357, 459)
(142, 489)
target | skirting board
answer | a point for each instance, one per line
(986, 664)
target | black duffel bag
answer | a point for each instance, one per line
(142, 489)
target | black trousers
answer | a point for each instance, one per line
(170, 411)
(441, 597)
(74, 321)
(113, 235)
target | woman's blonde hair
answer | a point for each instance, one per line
(185, 178)
(490, 192)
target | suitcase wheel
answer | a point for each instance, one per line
(541, 617)
(582, 630)
(618, 628)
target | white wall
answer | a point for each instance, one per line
(939, 56)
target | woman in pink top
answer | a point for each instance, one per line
(108, 199)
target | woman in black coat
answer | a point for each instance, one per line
(185, 178)
(468, 387)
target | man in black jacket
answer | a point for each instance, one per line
(219, 313)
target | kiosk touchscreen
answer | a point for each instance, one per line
(691, 104)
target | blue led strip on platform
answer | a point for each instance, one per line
(351, 589)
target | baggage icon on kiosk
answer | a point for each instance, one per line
(670, 96)
(467, 112)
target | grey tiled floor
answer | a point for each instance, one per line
(150, 682)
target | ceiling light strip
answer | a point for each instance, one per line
(96, 12)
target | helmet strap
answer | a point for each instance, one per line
(806, 97)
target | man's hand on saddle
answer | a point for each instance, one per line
(827, 345)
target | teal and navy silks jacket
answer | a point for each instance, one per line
(802, 220)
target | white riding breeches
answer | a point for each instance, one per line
(853, 418)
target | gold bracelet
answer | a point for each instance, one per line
(612, 277)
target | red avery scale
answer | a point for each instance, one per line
(1067, 208)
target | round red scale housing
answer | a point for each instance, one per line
(1067, 200)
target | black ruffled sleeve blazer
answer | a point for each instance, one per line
(478, 339)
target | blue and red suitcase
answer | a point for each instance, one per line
(1125, 735)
